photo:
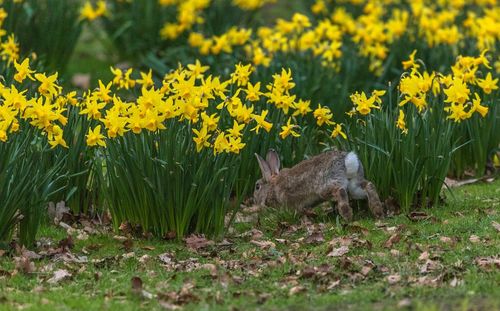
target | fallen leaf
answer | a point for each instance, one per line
(136, 283)
(58, 276)
(393, 279)
(166, 258)
(358, 229)
(455, 282)
(429, 266)
(69, 257)
(395, 252)
(169, 306)
(315, 238)
(496, 225)
(333, 284)
(127, 245)
(66, 244)
(488, 263)
(170, 235)
(474, 239)
(424, 256)
(366, 269)
(24, 265)
(337, 252)
(144, 258)
(264, 244)
(343, 241)
(446, 240)
(404, 303)
(212, 268)
(263, 297)
(256, 234)
(128, 255)
(197, 242)
(296, 290)
(29, 254)
(393, 239)
(418, 216)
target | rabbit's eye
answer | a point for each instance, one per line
(257, 186)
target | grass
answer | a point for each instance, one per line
(243, 275)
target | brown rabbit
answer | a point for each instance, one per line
(331, 175)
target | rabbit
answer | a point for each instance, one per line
(333, 175)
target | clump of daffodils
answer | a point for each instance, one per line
(462, 90)
(218, 110)
(45, 112)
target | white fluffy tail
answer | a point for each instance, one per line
(351, 165)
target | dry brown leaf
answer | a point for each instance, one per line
(456, 282)
(315, 238)
(446, 240)
(496, 225)
(333, 284)
(418, 216)
(166, 258)
(395, 252)
(393, 278)
(29, 254)
(343, 241)
(393, 239)
(404, 303)
(212, 268)
(488, 263)
(429, 266)
(24, 265)
(136, 283)
(264, 244)
(66, 244)
(338, 252)
(59, 275)
(296, 290)
(197, 242)
(358, 229)
(168, 306)
(366, 269)
(69, 257)
(424, 256)
(474, 239)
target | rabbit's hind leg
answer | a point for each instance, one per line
(342, 199)
(373, 200)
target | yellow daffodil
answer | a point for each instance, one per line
(261, 122)
(338, 131)
(488, 84)
(400, 123)
(323, 115)
(287, 130)
(23, 70)
(94, 137)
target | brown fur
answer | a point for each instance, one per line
(318, 179)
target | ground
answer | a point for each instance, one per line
(445, 258)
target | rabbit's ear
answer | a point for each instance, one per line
(264, 168)
(273, 159)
